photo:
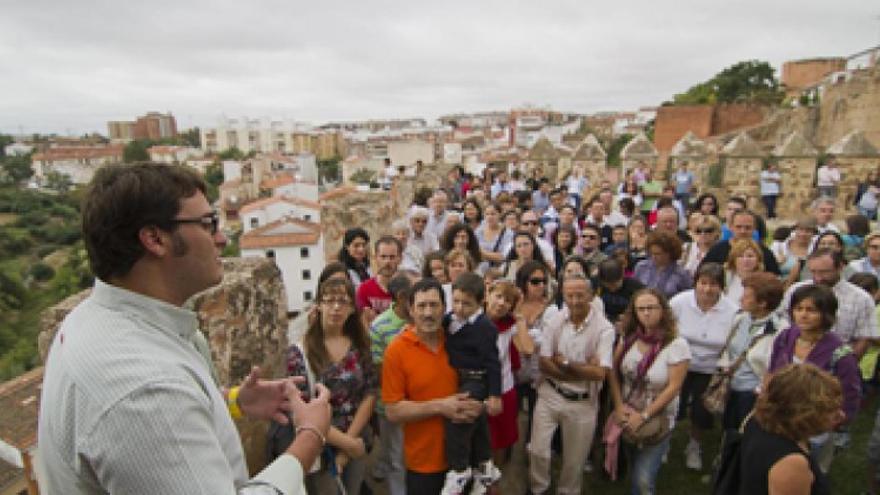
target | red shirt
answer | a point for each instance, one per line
(371, 295)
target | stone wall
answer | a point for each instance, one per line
(797, 186)
(731, 117)
(850, 105)
(373, 210)
(244, 320)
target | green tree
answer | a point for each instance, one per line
(17, 168)
(231, 154)
(58, 182)
(328, 170)
(136, 151)
(214, 177)
(191, 137)
(751, 81)
(5, 140)
(616, 147)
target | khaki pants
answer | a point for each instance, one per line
(577, 419)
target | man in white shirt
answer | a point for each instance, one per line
(575, 358)
(770, 184)
(827, 179)
(612, 216)
(129, 404)
(823, 210)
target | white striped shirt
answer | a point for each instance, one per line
(129, 406)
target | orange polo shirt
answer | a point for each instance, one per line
(412, 371)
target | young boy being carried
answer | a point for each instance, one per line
(473, 352)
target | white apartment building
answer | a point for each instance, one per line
(268, 210)
(298, 249)
(259, 135)
(173, 154)
(79, 163)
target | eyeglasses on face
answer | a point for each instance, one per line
(705, 231)
(537, 281)
(210, 222)
(339, 302)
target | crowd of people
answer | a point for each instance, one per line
(581, 321)
(613, 310)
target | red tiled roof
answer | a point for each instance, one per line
(77, 153)
(19, 409)
(263, 237)
(262, 203)
(279, 181)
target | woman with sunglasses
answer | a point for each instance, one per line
(706, 233)
(533, 311)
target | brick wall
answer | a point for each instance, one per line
(673, 122)
(730, 117)
(799, 74)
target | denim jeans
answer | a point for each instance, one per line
(644, 464)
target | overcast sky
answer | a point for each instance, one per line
(69, 66)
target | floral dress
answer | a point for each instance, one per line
(350, 380)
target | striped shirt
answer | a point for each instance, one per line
(129, 406)
(384, 328)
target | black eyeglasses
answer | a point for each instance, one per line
(705, 231)
(210, 223)
(537, 281)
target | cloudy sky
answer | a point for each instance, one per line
(69, 66)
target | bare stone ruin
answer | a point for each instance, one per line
(742, 161)
(855, 156)
(691, 150)
(544, 157)
(592, 159)
(640, 149)
(796, 159)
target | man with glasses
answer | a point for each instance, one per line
(419, 389)
(591, 238)
(528, 222)
(129, 403)
(575, 358)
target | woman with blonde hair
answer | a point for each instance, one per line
(706, 231)
(745, 258)
(799, 401)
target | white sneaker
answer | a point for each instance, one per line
(455, 482)
(693, 456)
(487, 475)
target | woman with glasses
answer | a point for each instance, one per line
(355, 255)
(335, 351)
(533, 312)
(650, 364)
(706, 233)
(661, 270)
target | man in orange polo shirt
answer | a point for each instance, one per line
(419, 389)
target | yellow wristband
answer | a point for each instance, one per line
(232, 403)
